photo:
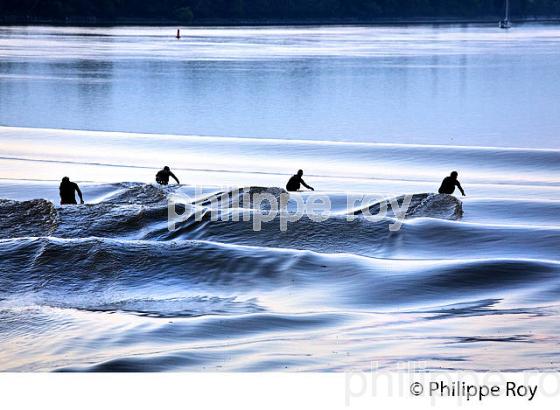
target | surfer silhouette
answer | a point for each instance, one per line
(449, 183)
(296, 181)
(162, 177)
(67, 192)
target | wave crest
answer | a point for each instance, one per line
(426, 205)
(37, 217)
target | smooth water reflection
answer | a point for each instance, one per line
(459, 85)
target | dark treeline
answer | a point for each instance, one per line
(193, 10)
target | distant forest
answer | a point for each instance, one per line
(189, 11)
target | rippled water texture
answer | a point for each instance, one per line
(466, 283)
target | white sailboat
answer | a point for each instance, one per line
(505, 23)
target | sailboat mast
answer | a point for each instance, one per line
(507, 10)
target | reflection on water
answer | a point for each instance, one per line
(106, 287)
(466, 85)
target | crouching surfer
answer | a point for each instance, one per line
(162, 177)
(449, 183)
(67, 191)
(295, 182)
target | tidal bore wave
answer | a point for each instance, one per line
(107, 286)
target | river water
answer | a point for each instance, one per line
(368, 112)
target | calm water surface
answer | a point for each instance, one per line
(466, 85)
